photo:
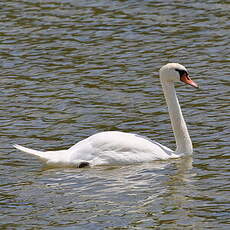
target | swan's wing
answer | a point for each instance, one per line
(117, 147)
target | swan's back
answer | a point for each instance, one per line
(115, 147)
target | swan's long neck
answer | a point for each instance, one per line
(183, 141)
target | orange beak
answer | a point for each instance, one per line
(186, 79)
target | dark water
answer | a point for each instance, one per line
(70, 69)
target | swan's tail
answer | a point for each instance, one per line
(30, 151)
(50, 156)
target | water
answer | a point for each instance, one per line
(70, 69)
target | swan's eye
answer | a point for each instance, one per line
(182, 72)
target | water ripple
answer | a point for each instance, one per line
(70, 69)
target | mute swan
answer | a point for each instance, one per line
(114, 147)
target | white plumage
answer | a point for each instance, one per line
(110, 147)
(115, 147)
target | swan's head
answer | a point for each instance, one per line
(174, 72)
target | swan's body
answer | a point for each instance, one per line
(115, 147)
(110, 147)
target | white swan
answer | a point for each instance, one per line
(115, 147)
